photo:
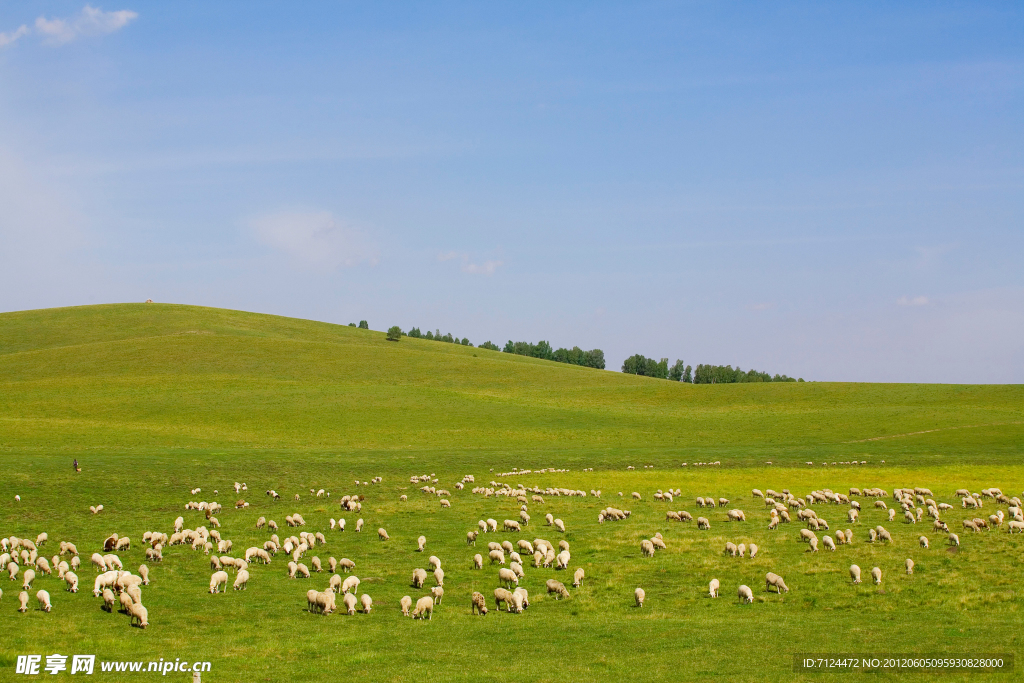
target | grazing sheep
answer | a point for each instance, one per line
(334, 585)
(814, 544)
(478, 561)
(497, 556)
(558, 588)
(382, 534)
(828, 543)
(108, 599)
(241, 580)
(775, 580)
(639, 595)
(71, 579)
(492, 525)
(730, 548)
(350, 603)
(471, 537)
(737, 516)
(703, 523)
(346, 564)
(439, 576)
(27, 578)
(502, 596)
(855, 573)
(745, 594)
(366, 602)
(521, 592)
(126, 602)
(421, 542)
(316, 564)
(647, 548)
(418, 577)
(560, 525)
(44, 600)
(876, 575)
(892, 514)
(359, 525)
(713, 588)
(434, 562)
(217, 580)
(406, 603)
(350, 585)
(507, 577)
(138, 613)
(923, 540)
(23, 601)
(437, 592)
(577, 578)
(424, 608)
(910, 566)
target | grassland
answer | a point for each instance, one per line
(155, 400)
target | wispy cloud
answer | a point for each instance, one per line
(315, 238)
(486, 268)
(91, 21)
(912, 301)
(8, 38)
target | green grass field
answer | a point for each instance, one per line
(155, 400)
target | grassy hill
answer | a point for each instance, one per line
(130, 376)
(159, 400)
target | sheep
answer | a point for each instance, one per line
(828, 543)
(359, 525)
(731, 549)
(241, 580)
(350, 603)
(713, 588)
(814, 544)
(876, 575)
(737, 516)
(910, 566)
(525, 598)
(434, 562)
(350, 585)
(44, 600)
(478, 561)
(577, 578)
(424, 608)
(1011, 526)
(892, 514)
(97, 561)
(507, 577)
(112, 562)
(126, 602)
(366, 602)
(27, 578)
(406, 603)
(771, 579)
(71, 579)
(492, 525)
(382, 534)
(439, 576)
(647, 548)
(217, 580)
(108, 599)
(421, 542)
(923, 540)
(745, 594)
(855, 573)
(560, 525)
(497, 556)
(437, 592)
(753, 550)
(558, 588)
(418, 577)
(471, 537)
(703, 523)
(346, 564)
(639, 595)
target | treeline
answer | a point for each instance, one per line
(704, 374)
(542, 349)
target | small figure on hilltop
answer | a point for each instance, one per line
(75, 466)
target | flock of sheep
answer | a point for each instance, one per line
(121, 590)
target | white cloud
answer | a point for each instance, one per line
(91, 21)
(485, 268)
(8, 38)
(912, 301)
(314, 238)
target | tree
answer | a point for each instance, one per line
(465, 342)
(688, 374)
(351, 324)
(394, 333)
(491, 346)
(675, 373)
(415, 333)
(363, 325)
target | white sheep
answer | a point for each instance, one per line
(71, 579)
(241, 580)
(828, 543)
(745, 594)
(44, 601)
(713, 588)
(560, 525)
(577, 578)
(27, 578)
(647, 548)
(910, 566)
(366, 602)
(421, 543)
(507, 577)
(439, 576)
(923, 540)
(350, 585)
(876, 575)
(855, 573)
(350, 603)
(639, 595)
(406, 603)
(218, 580)
(753, 550)
(424, 608)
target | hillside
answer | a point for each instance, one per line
(132, 376)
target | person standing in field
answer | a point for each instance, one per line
(74, 465)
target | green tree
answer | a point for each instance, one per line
(490, 346)
(363, 325)
(351, 324)
(688, 374)
(465, 341)
(394, 333)
(675, 373)
(415, 333)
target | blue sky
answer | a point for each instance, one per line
(827, 190)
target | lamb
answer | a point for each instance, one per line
(745, 594)
(366, 602)
(638, 596)
(241, 580)
(350, 603)
(775, 580)
(713, 588)
(558, 588)
(577, 578)
(217, 580)
(44, 600)
(406, 603)
(876, 574)
(437, 592)
(424, 608)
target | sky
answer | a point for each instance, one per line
(833, 191)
